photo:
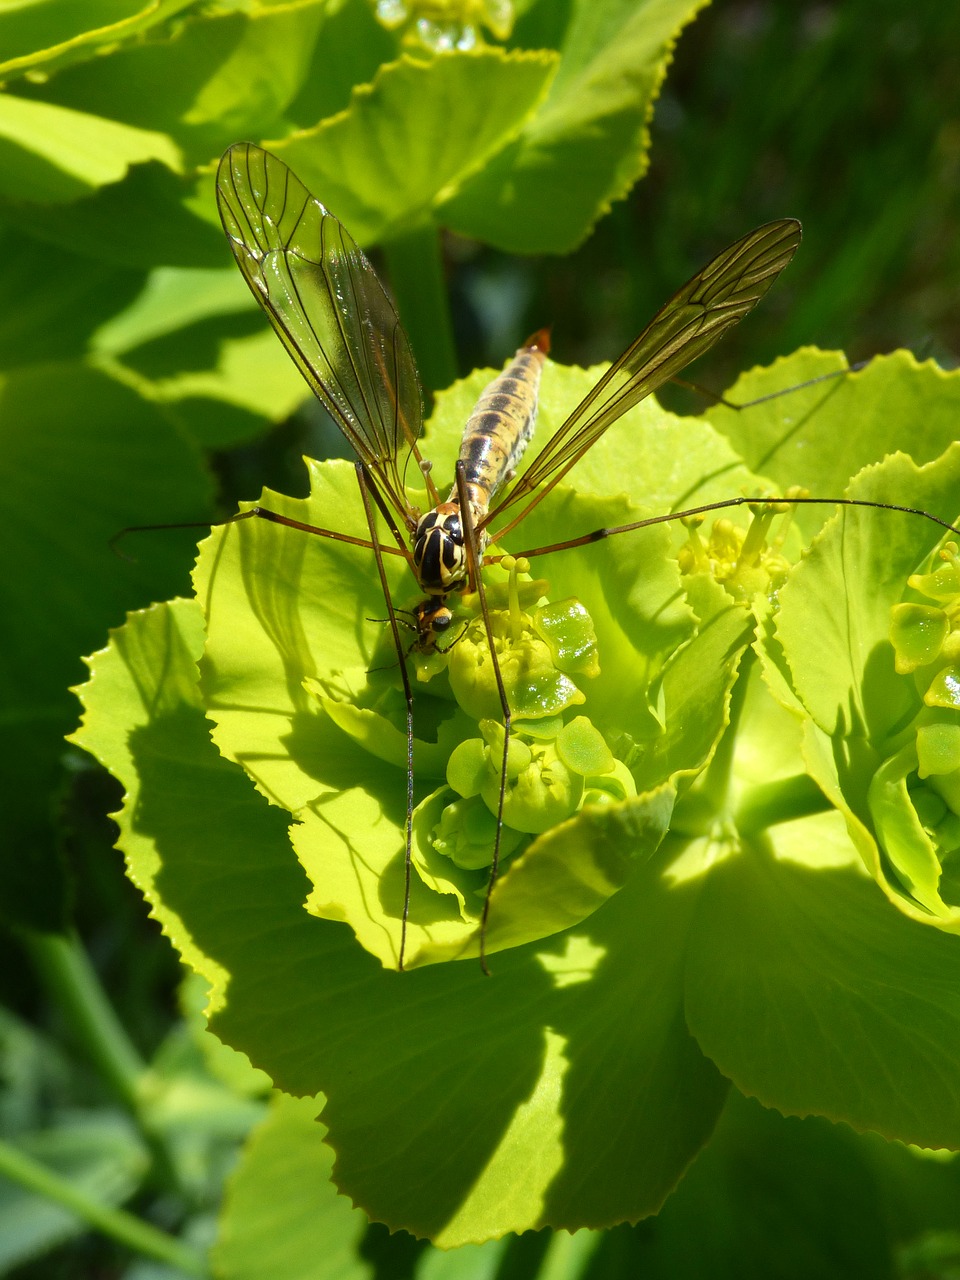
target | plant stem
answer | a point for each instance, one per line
(116, 1223)
(782, 801)
(75, 988)
(73, 983)
(416, 275)
(568, 1256)
(715, 783)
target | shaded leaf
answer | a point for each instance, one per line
(310, 1231)
(143, 221)
(592, 123)
(415, 134)
(56, 32)
(82, 457)
(52, 155)
(219, 77)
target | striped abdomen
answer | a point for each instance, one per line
(498, 430)
(494, 439)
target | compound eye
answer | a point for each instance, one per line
(441, 620)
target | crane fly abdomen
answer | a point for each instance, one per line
(494, 439)
(499, 429)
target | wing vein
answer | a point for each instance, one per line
(696, 317)
(328, 308)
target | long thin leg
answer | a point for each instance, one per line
(716, 398)
(473, 561)
(263, 514)
(596, 535)
(363, 480)
(394, 528)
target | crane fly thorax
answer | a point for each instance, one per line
(438, 552)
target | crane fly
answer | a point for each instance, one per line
(329, 309)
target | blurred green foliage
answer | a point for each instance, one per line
(844, 115)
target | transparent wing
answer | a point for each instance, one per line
(327, 306)
(696, 317)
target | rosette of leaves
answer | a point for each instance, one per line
(874, 684)
(753, 945)
(881, 682)
(306, 694)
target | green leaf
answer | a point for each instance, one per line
(842, 661)
(143, 718)
(839, 668)
(412, 136)
(696, 686)
(225, 75)
(767, 1197)
(820, 435)
(231, 890)
(351, 46)
(592, 123)
(471, 1262)
(52, 154)
(531, 1048)
(171, 299)
(828, 998)
(248, 385)
(54, 32)
(68, 433)
(225, 1065)
(310, 1232)
(51, 300)
(145, 221)
(193, 339)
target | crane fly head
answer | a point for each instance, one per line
(432, 619)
